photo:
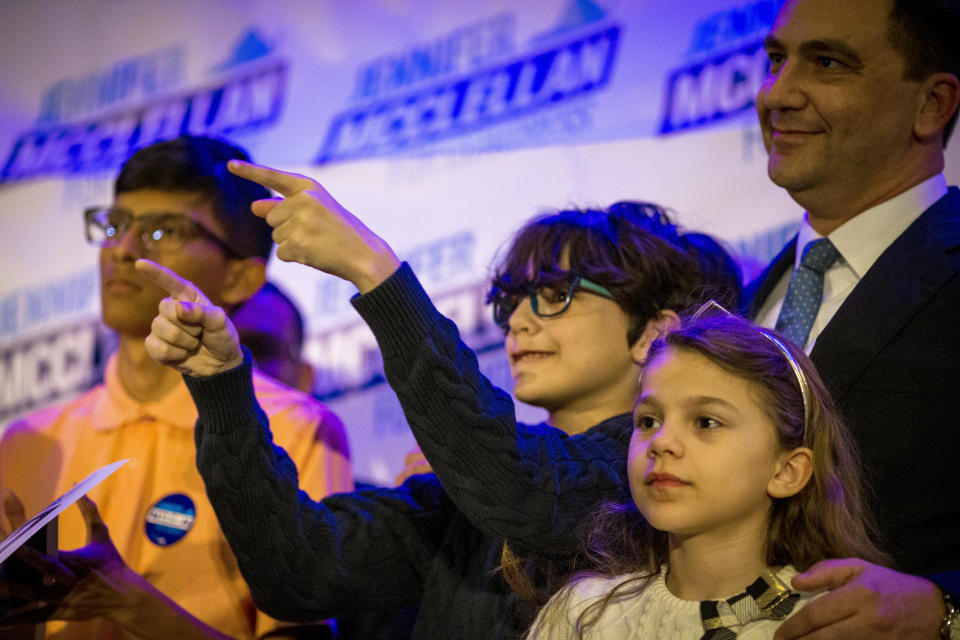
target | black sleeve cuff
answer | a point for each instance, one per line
(225, 399)
(398, 310)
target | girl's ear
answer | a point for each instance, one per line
(792, 473)
(665, 321)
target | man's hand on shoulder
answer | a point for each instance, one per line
(864, 600)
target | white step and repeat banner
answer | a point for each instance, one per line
(443, 125)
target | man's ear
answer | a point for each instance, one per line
(244, 278)
(940, 95)
(665, 321)
(792, 473)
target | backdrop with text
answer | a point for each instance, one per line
(444, 126)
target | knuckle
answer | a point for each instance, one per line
(884, 618)
(155, 348)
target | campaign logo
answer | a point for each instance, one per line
(345, 354)
(573, 60)
(170, 519)
(714, 90)
(248, 94)
(128, 80)
(731, 65)
(726, 28)
(347, 358)
(47, 367)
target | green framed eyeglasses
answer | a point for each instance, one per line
(546, 299)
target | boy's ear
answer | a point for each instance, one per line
(665, 321)
(244, 278)
(792, 473)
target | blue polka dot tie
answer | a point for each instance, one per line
(805, 292)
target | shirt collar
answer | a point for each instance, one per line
(115, 407)
(864, 237)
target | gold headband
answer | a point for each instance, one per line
(713, 305)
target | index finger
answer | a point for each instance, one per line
(825, 611)
(286, 184)
(831, 574)
(166, 279)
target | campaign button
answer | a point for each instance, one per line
(170, 519)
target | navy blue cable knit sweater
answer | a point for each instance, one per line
(432, 542)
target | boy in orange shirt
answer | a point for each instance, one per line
(164, 569)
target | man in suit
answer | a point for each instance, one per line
(855, 112)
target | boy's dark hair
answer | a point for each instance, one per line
(632, 249)
(639, 255)
(722, 280)
(196, 164)
(924, 33)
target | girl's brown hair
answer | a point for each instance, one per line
(826, 519)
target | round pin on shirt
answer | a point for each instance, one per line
(170, 519)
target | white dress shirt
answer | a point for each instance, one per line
(860, 242)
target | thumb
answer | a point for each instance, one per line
(191, 312)
(826, 574)
(211, 318)
(96, 529)
(261, 208)
(13, 509)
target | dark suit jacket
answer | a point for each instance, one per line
(891, 357)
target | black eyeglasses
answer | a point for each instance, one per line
(158, 232)
(546, 299)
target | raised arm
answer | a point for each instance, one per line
(532, 485)
(312, 228)
(303, 559)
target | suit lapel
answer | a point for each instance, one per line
(758, 290)
(895, 288)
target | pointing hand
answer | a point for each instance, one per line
(312, 228)
(190, 333)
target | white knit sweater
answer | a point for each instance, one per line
(652, 614)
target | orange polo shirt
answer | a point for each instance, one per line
(44, 454)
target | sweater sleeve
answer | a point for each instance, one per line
(532, 485)
(304, 559)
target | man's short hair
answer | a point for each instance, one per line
(196, 164)
(926, 33)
